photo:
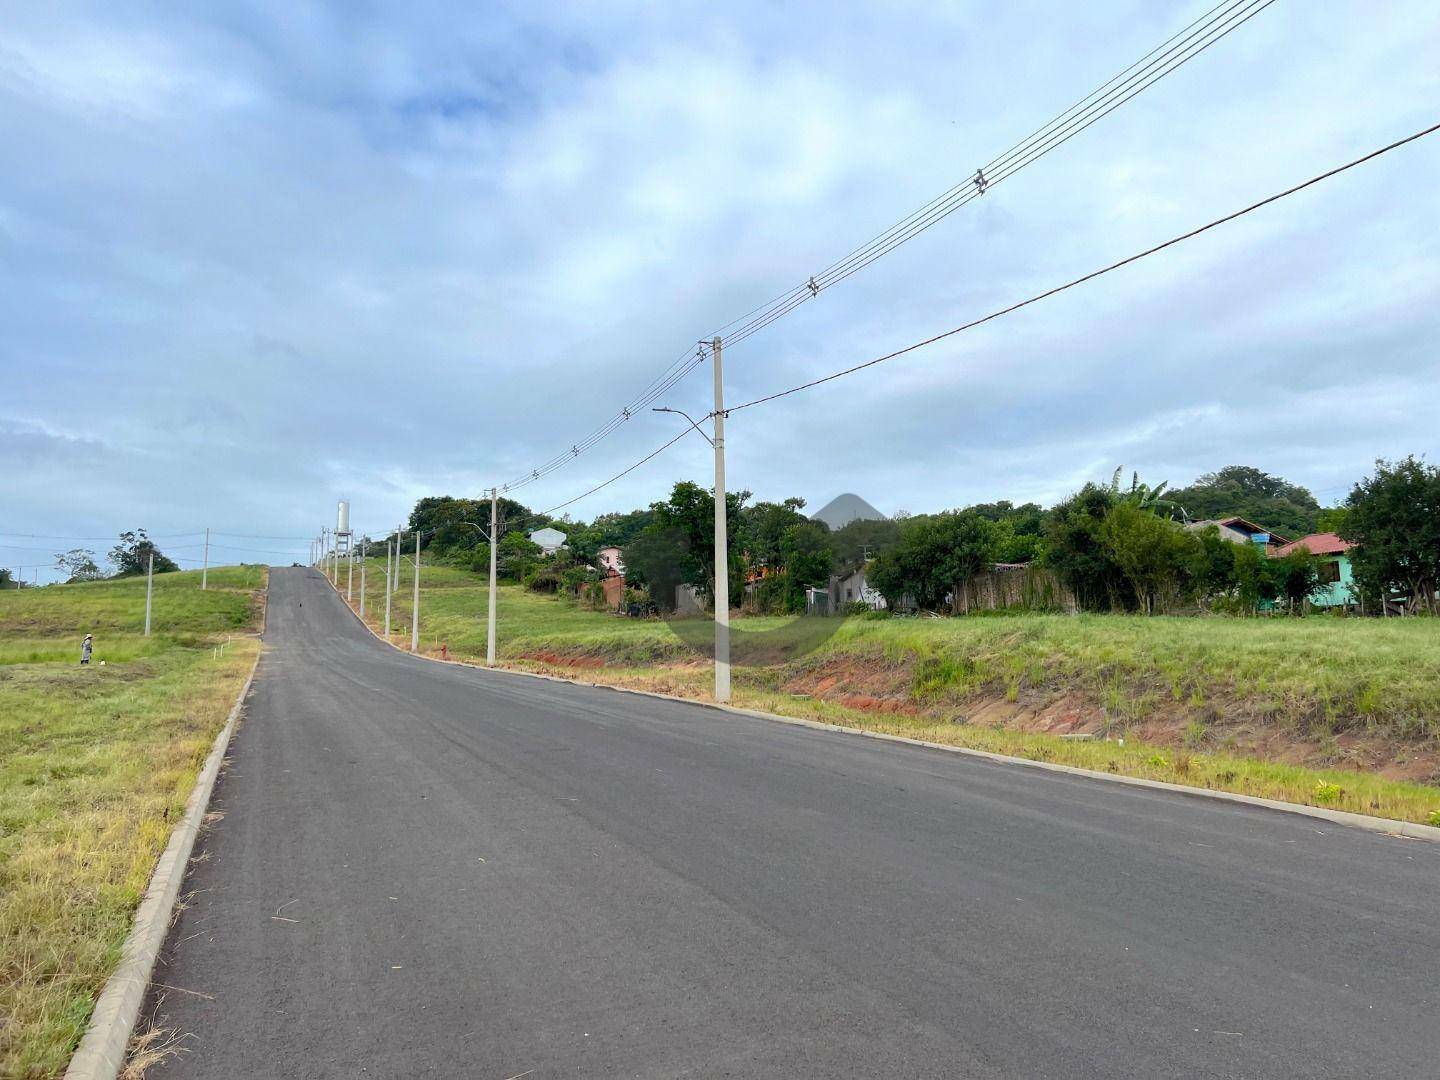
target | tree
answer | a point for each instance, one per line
(1077, 553)
(78, 564)
(658, 560)
(685, 525)
(760, 528)
(1254, 576)
(807, 557)
(1156, 555)
(1243, 491)
(1214, 563)
(1296, 575)
(131, 556)
(863, 538)
(516, 557)
(1394, 521)
(935, 553)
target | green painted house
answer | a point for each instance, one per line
(1335, 572)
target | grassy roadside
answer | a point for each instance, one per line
(1328, 712)
(95, 766)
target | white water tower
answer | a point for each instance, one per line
(343, 536)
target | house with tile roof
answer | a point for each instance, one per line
(1336, 574)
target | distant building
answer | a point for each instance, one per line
(1240, 531)
(610, 562)
(843, 509)
(1336, 574)
(549, 540)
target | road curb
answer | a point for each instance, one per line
(1389, 826)
(102, 1051)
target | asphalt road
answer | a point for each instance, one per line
(430, 871)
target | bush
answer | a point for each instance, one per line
(545, 580)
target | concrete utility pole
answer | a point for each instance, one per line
(149, 589)
(205, 566)
(350, 573)
(415, 605)
(494, 592)
(399, 536)
(363, 549)
(388, 592)
(722, 553)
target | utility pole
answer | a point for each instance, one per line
(399, 537)
(364, 547)
(149, 588)
(388, 591)
(205, 567)
(494, 592)
(350, 572)
(722, 554)
(415, 605)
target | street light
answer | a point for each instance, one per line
(722, 556)
(693, 423)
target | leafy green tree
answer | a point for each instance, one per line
(1332, 519)
(1142, 496)
(1156, 555)
(1394, 521)
(620, 529)
(935, 553)
(1214, 564)
(1243, 491)
(658, 559)
(1078, 554)
(761, 527)
(516, 558)
(853, 542)
(131, 556)
(1254, 576)
(78, 564)
(1296, 575)
(808, 558)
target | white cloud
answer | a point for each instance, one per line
(276, 258)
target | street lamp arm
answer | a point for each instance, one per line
(693, 423)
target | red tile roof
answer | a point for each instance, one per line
(1319, 544)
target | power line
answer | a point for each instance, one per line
(1090, 276)
(1017, 306)
(1187, 44)
(1165, 58)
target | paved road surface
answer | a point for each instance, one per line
(441, 872)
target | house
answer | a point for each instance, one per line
(851, 586)
(610, 562)
(1240, 531)
(1335, 571)
(549, 540)
(612, 576)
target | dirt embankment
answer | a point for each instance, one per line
(1226, 722)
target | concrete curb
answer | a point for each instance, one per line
(1389, 826)
(102, 1051)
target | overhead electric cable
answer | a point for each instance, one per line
(1017, 306)
(1166, 57)
(1090, 276)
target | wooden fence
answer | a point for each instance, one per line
(1014, 585)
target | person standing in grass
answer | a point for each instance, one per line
(85, 647)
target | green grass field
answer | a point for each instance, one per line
(95, 766)
(1297, 709)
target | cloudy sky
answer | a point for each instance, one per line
(255, 258)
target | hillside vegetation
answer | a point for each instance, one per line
(1336, 712)
(95, 766)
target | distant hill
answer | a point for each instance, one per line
(843, 509)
